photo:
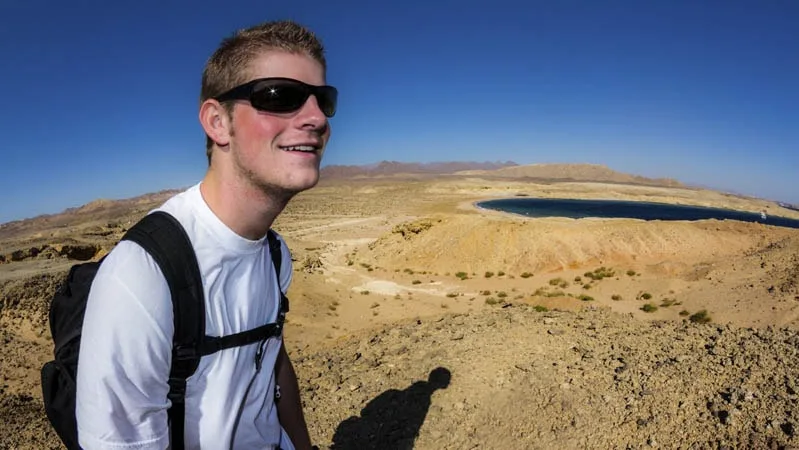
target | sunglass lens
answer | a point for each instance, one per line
(327, 97)
(279, 97)
(287, 97)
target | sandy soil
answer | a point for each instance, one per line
(421, 321)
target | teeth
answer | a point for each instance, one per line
(300, 148)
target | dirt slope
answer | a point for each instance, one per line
(521, 379)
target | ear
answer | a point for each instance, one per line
(215, 121)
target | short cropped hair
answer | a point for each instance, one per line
(229, 66)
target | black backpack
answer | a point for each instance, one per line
(163, 237)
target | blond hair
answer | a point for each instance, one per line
(228, 66)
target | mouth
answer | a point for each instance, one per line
(302, 148)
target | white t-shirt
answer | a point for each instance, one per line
(125, 352)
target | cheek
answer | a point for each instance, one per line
(256, 132)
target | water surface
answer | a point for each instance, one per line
(578, 209)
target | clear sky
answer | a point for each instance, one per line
(100, 97)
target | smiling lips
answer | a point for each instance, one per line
(308, 148)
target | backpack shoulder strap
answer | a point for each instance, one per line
(277, 259)
(164, 238)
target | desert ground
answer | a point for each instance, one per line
(421, 321)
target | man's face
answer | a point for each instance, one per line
(260, 141)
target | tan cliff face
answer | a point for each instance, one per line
(417, 317)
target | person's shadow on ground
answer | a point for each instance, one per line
(393, 419)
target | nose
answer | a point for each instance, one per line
(311, 116)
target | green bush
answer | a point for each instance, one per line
(491, 301)
(615, 297)
(684, 312)
(649, 308)
(556, 281)
(586, 298)
(526, 275)
(452, 294)
(700, 317)
(489, 274)
(646, 296)
(500, 273)
(540, 308)
(501, 294)
(631, 273)
(598, 274)
(462, 275)
(416, 282)
(604, 272)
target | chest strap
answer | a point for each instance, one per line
(213, 344)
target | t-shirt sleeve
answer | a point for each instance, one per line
(125, 355)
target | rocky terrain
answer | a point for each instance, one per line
(419, 321)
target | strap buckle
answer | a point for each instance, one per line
(185, 351)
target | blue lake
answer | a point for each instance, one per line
(578, 209)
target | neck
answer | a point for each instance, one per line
(244, 208)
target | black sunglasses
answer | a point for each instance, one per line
(282, 95)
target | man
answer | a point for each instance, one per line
(265, 109)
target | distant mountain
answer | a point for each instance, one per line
(574, 172)
(388, 168)
(101, 209)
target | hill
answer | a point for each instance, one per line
(571, 172)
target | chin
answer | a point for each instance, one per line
(302, 183)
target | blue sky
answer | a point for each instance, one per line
(101, 97)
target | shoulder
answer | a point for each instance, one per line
(132, 278)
